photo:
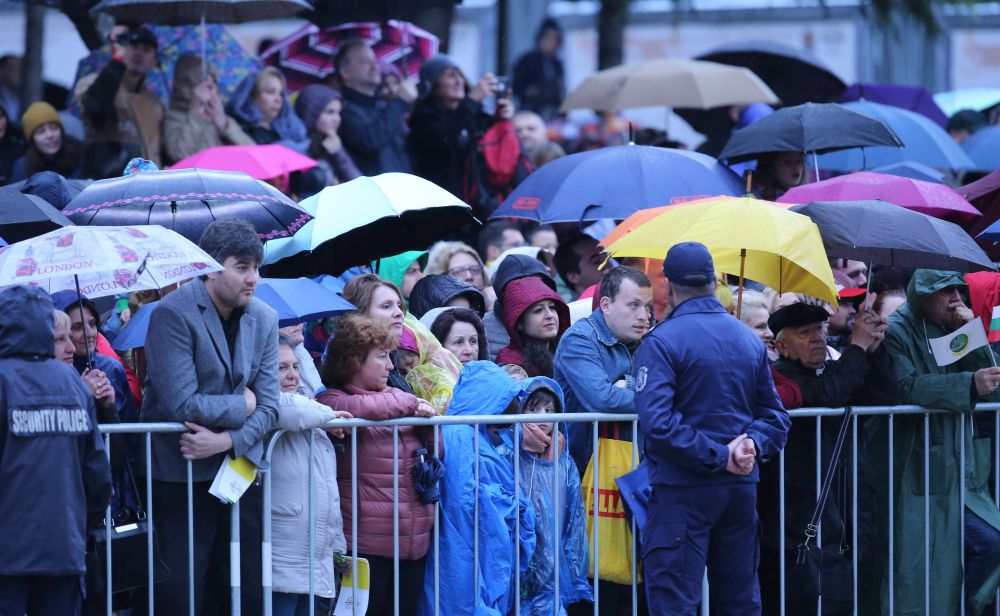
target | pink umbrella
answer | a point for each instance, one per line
(929, 198)
(306, 56)
(261, 162)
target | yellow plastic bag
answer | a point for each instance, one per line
(614, 534)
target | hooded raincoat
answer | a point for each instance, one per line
(286, 129)
(484, 389)
(951, 388)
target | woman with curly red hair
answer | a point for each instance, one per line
(356, 372)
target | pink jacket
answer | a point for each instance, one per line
(416, 520)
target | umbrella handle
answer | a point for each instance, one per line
(739, 297)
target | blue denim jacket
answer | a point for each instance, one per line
(588, 362)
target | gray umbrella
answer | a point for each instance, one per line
(811, 127)
(882, 233)
(181, 12)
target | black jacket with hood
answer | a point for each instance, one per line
(54, 472)
(436, 290)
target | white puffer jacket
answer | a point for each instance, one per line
(300, 416)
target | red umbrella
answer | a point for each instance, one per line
(261, 162)
(306, 56)
(929, 198)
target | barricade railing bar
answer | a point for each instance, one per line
(595, 419)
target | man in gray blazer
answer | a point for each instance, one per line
(212, 363)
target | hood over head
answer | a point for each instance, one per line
(436, 290)
(521, 294)
(27, 328)
(394, 268)
(513, 268)
(925, 282)
(242, 107)
(483, 388)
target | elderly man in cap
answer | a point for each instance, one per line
(708, 412)
(121, 118)
(863, 375)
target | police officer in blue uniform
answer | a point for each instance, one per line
(55, 480)
(709, 413)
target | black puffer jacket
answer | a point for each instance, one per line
(436, 290)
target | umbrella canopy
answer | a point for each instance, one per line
(984, 195)
(671, 82)
(881, 233)
(187, 200)
(223, 53)
(179, 12)
(810, 127)
(297, 300)
(615, 182)
(25, 216)
(926, 143)
(306, 56)
(983, 147)
(771, 245)
(913, 98)
(914, 171)
(133, 335)
(364, 220)
(107, 260)
(795, 75)
(261, 162)
(929, 198)
(979, 99)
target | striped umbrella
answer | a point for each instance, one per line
(306, 56)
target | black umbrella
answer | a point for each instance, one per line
(26, 216)
(181, 12)
(796, 75)
(882, 233)
(426, 472)
(186, 201)
(810, 127)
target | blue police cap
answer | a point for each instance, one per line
(689, 264)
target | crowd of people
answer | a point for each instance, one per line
(514, 318)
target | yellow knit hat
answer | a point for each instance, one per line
(36, 115)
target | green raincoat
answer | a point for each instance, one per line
(394, 268)
(923, 382)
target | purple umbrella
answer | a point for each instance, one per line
(936, 200)
(912, 98)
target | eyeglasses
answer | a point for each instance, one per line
(458, 272)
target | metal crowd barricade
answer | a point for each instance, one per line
(799, 415)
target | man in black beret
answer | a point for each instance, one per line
(863, 375)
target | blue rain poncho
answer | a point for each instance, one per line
(465, 589)
(538, 478)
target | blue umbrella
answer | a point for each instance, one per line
(914, 171)
(925, 142)
(616, 182)
(983, 148)
(298, 300)
(133, 335)
(3, 242)
(991, 233)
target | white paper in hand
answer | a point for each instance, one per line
(347, 599)
(233, 479)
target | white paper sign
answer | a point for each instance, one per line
(347, 598)
(233, 479)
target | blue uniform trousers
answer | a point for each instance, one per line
(691, 527)
(40, 595)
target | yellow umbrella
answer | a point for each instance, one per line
(760, 240)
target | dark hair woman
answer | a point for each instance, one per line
(535, 317)
(461, 331)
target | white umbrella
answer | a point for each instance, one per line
(101, 261)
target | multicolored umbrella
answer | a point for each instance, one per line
(261, 162)
(102, 261)
(929, 198)
(223, 52)
(306, 56)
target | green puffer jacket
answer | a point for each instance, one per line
(923, 382)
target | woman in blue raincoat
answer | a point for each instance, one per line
(483, 389)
